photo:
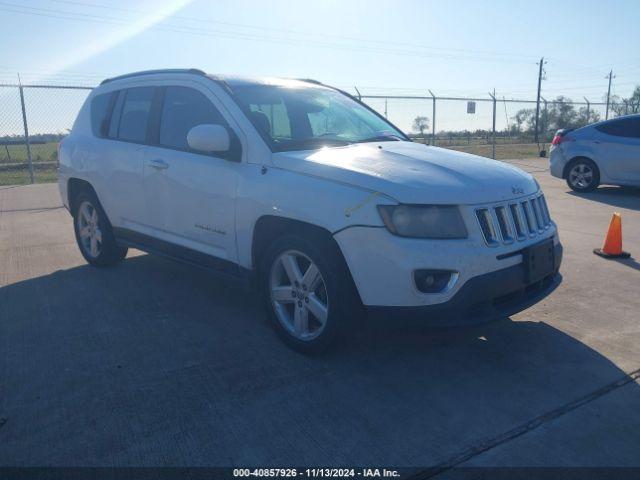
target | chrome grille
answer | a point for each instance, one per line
(529, 217)
(513, 221)
(536, 210)
(519, 221)
(486, 225)
(545, 210)
(504, 223)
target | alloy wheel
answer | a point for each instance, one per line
(581, 176)
(89, 229)
(299, 295)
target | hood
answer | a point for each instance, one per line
(413, 173)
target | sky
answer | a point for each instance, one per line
(454, 48)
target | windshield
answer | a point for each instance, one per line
(305, 118)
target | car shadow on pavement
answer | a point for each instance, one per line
(621, 197)
(154, 363)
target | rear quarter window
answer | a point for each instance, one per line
(624, 127)
(99, 111)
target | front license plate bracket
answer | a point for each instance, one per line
(539, 261)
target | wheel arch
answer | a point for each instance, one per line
(74, 187)
(269, 227)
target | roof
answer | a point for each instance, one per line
(193, 71)
(231, 80)
(238, 80)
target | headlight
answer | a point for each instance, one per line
(423, 221)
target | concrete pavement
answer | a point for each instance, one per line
(155, 363)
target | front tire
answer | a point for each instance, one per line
(94, 233)
(308, 292)
(583, 175)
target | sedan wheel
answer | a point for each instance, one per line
(581, 176)
(299, 295)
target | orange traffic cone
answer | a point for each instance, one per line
(612, 247)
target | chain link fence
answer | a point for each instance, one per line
(33, 119)
(490, 126)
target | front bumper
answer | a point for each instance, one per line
(382, 264)
(497, 294)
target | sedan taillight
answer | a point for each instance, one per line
(558, 139)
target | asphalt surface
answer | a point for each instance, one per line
(154, 363)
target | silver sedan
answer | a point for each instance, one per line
(602, 153)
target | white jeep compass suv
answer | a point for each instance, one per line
(327, 205)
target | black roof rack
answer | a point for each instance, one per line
(193, 71)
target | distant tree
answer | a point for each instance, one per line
(562, 114)
(524, 119)
(43, 137)
(420, 124)
(584, 119)
(634, 100)
(625, 106)
(557, 114)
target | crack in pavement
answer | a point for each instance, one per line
(32, 210)
(527, 427)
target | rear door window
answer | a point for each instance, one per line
(134, 114)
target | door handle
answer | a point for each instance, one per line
(158, 164)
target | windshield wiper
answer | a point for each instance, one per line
(381, 138)
(305, 143)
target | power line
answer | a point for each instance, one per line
(298, 32)
(78, 16)
(64, 15)
(591, 68)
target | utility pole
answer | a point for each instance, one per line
(506, 115)
(538, 98)
(385, 108)
(493, 128)
(588, 109)
(433, 123)
(610, 76)
(26, 129)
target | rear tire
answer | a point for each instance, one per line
(583, 175)
(308, 292)
(94, 233)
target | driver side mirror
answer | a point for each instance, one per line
(209, 138)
